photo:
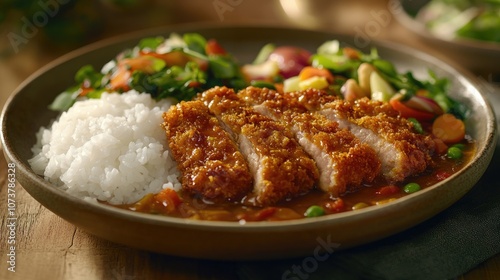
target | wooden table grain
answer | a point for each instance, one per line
(47, 247)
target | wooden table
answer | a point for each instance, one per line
(48, 247)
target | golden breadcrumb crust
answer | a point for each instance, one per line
(210, 162)
(284, 170)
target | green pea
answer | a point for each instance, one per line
(411, 188)
(416, 125)
(262, 84)
(454, 153)
(460, 146)
(314, 211)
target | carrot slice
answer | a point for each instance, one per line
(309, 72)
(407, 112)
(448, 128)
(120, 79)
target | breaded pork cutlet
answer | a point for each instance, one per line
(402, 152)
(407, 154)
(343, 161)
(210, 162)
(281, 168)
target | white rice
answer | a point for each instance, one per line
(110, 149)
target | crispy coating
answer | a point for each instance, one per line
(311, 99)
(343, 161)
(280, 167)
(402, 152)
(414, 150)
(207, 157)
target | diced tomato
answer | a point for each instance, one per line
(441, 147)
(168, 200)
(214, 48)
(193, 84)
(84, 91)
(265, 213)
(120, 79)
(441, 175)
(335, 206)
(388, 190)
(407, 112)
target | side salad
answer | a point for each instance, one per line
(181, 66)
(471, 19)
(177, 67)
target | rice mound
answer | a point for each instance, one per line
(109, 149)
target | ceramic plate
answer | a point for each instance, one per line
(26, 111)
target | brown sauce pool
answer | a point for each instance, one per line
(186, 205)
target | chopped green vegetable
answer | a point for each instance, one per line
(264, 53)
(454, 153)
(314, 211)
(181, 70)
(262, 84)
(175, 82)
(459, 145)
(88, 75)
(182, 66)
(65, 99)
(95, 94)
(157, 64)
(471, 19)
(416, 125)
(484, 27)
(411, 188)
(330, 48)
(223, 67)
(195, 42)
(380, 89)
(336, 63)
(385, 67)
(151, 43)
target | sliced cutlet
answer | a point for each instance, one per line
(343, 161)
(209, 160)
(402, 152)
(281, 168)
